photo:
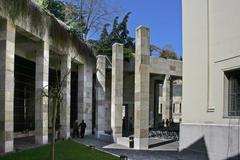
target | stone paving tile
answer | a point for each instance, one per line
(166, 152)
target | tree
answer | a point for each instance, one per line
(81, 16)
(85, 16)
(56, 7)
(119, 34)
(168, 53)
(104, 35)
(55, 93)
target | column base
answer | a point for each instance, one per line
(98, 133)
(141, 143)
(65, 135)
(6, 147)
(116, 136)
(41, 139)
(88, 132)
(101, 135)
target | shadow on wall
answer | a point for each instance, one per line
(237, 157)
(198, 149)
(200, 152)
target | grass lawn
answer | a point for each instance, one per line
(67, 150)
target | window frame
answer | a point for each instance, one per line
(226, 81)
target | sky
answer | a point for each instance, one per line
(163, 17)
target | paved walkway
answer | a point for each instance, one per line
(162, 152)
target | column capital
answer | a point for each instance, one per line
(117, 44)
(141, 27)
(117, 52)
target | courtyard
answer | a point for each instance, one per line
(138, 88)
(95, 149)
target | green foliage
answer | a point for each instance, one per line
(38, 19)
(168, 53)
(119, 34)
(86, 16)
(20, 10)
(75, 20)
(104, 35)
(15, 8)
(55, 7)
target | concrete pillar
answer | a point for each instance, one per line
(100, 95)
(66, 102)
(80, 92)
(142, 58)
(41, 102)
(166, 98)
(85, 84)
(117, 90)
(7, 51)
(87, 97)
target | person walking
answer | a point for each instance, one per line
(83, 127)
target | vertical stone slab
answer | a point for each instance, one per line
(66, 102)
(117, 90)
(7, 51)
(101, 94)
(80, 92)
(87, 97)
(142, 58)
(166, 98)
(41, 102)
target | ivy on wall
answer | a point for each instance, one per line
(40, 20)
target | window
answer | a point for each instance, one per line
(123, 111)
(160, 109)
(160, 90)
(232, 95)
(177, 90)
(180, 108)
(173, 108)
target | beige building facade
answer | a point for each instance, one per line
(211, 40)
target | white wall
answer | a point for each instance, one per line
(211, 45)
(208, 50)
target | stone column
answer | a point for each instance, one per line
(41, 102)
(65, 106)
(117, 90)
(100, 94)
(7, 51)
(142, 58)
(80, 91)
(166, 98)
(87, 97)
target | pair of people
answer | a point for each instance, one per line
(76, 129)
